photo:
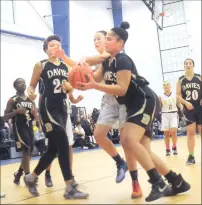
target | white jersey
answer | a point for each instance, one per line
(169, 103)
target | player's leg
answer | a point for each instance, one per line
(136, 149)
(71, 142)
(108, 116)
(199, 121)
(191, 132)
(179, 185)
(165, 127)
(173, 131)
(131, 161)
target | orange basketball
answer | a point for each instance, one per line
(79, 74)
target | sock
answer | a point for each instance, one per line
(133, 175)
(191, 154)
(168, 147)
(174, 146)
(20, 171)
(171, 176)
(153, 175)
(47, 173)
(118, 159)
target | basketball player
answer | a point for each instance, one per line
(22, 110)
(70, 96)
(52, 75)
(189, 94)
(142, 105)
(169, 117)
(111, 113)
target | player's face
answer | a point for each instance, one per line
(20, 85)
(113, 44)
(99, 42)
(166, 87)
(189, 66)
(51, 46)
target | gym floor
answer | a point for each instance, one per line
(95, 172)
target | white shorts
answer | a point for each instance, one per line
(169, 120)
(112, 113)
(69, 131)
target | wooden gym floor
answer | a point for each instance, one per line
(96, 172)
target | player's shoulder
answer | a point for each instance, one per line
(13, 98)
(181, 78)
(196, 75)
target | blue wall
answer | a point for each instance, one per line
(117, 12)
(60, 14)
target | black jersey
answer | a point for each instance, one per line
(51, 79)
(123, 62)
(27, 118)
(191, 89)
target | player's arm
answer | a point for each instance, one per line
(36, 117)
(75, 100)
(98, 74)
(9, 113)
(94, 60)
(34, 80)
(179, 94)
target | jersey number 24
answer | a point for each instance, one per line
(58, 85)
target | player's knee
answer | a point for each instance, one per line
(99, 135)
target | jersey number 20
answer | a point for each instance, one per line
(58, 85)
(191, 95)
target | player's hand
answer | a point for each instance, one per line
(67, 87)
(83, 61)
(79, 98)
(58, 52)
(21, 111)
(31, 93)
(189, 106)
(86, 86)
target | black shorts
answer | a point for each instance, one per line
(51, 118)
(147, 113)
(193, 116)
(24, 137)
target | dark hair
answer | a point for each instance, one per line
(190, 60)
(121, 31)
(103, 32)
(14, 83)
(50, 38)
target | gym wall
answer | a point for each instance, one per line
(87, 17)
(142, 45)
(19, 54)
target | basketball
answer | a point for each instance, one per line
(79, 74)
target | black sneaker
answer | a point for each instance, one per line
(159, 191)
(179, 185)
(48, 181)
(31, 183)
(73, 193)
(175, 151)
(74, 183)
(167, 152)
(17, 177)
(190, 160)
(121, 171)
